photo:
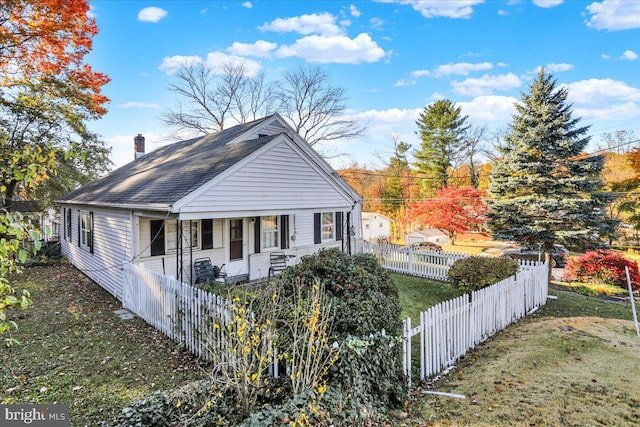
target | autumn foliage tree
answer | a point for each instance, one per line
(452, 211)
(47, 92)
(47, 95)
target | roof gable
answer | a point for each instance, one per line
(169, 173)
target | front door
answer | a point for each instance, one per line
(236, 252)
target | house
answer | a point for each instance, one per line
(45, 220)
(376, 227)
(233, 197)
(432, 235)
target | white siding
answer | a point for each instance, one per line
(111, 247)
(279, 179)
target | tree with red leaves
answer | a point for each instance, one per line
(47, 95)
(452, 211)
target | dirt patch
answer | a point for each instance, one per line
(569, 372)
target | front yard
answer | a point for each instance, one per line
(74, 349)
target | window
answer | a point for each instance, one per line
(86, 231)
(163, 235)
(269, 227)
(171, 234)
(157, 237)
(327, 226)
(67, 225)
(207, 234)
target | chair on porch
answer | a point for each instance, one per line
(278, 261)
(203, 270)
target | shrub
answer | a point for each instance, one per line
(357, 394)
(476, 272)
(363, 294)
(602, 267)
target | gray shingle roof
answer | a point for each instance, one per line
(169, 173)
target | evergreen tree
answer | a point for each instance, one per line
(544, 188)
(442, 129)
(397, 172)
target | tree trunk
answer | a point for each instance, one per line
(547, 259)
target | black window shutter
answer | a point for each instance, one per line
(338, 225)
(256, 235)
(207, 233)
(79, 229)
(64, 216)
(284, 232)
(157, 237)
(317, 233)
(90, 242)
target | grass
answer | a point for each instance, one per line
(557, 367)
(417, 294)
(572, 363)
(73, 349)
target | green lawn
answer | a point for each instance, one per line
(75, 350)
(417, 294)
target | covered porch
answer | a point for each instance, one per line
(242, 246)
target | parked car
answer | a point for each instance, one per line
(558, 256)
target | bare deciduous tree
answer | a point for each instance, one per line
(207, 97)
(316, 109)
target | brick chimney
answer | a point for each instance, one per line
(138, 146)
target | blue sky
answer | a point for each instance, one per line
(392, 57)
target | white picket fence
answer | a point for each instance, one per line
(449, 329)
(407, 260)
(182, 312)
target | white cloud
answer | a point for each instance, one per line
(376, 23)
(441, 8)
(486, 84)
(553, 68)
(405, 82)
(602, 91)
(629, 55)
(151, 14)
(461, 68)
(261, 49)
(502, 12)
(247, 4)
(547, 3)
(91, 13)
(392, 115)
(323, 24)
(135, 104)
(614, 15)
(354, 11)
(170, 64)
(489, 109)
(334, 50)
(215, 61)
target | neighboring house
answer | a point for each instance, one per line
(46, 221)
(432, 235)
(376, 227)
(234, 196)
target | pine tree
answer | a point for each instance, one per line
(442, 128)
(544, 189)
